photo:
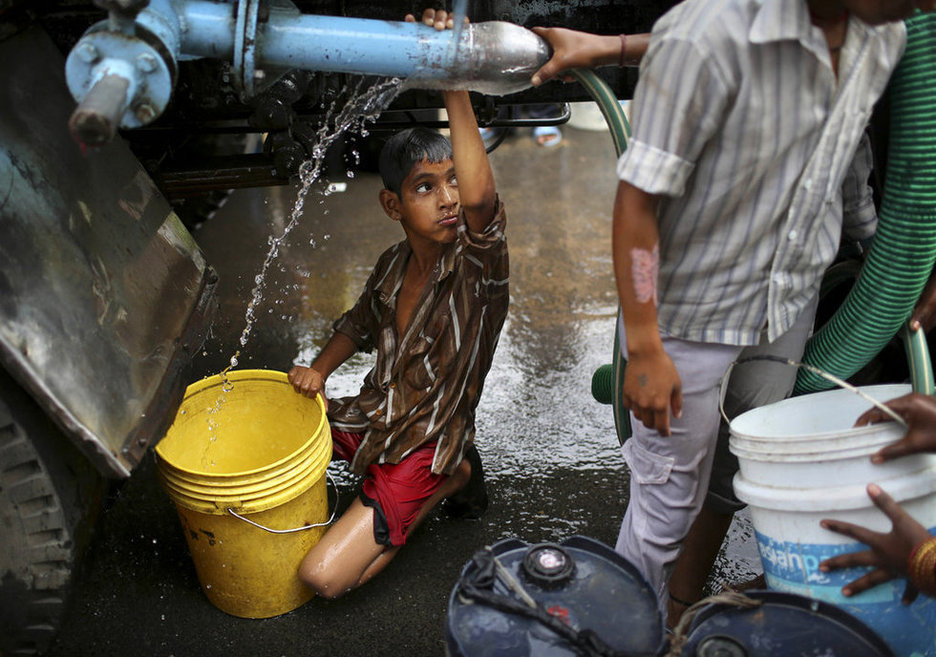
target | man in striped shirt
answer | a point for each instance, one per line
(747, 116)
(433, 307)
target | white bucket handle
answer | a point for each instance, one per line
(815, 370)
(294, 529)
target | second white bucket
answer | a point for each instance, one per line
(801, 460)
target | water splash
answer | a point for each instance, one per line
(353, 111)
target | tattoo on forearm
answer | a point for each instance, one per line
(645, 268)
(642, 380)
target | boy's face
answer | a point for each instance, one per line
(876, 12)
(427, 205)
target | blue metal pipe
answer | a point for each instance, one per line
(214, 35)
(494, 58)
(357, 45)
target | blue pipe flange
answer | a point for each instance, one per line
(141, 61)
(245, 45)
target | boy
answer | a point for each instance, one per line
(730, 206)
(433, 307)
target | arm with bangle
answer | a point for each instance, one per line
(574, 49)
(921, 567)
(907, 550)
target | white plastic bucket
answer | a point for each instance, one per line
(801, 460)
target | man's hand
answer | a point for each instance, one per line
(573, 49)
(920, 413)
(652, 389)
(889, 552)
(308, 382)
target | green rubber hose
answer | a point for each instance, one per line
(904, 248)
(608, 380)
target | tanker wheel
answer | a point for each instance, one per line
(49, 497)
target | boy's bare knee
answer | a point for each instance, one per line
(322, 581)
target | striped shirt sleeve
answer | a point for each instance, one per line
(678, 106)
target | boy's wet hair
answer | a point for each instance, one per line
(407, 148)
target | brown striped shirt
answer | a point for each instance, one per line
(426, 385)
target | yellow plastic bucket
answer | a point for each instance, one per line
(259, 450)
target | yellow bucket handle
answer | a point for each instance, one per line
(294, 529)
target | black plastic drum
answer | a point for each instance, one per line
(516, 599)
(784, 624)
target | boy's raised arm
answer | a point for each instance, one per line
(476, 190)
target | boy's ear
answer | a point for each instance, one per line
(390, 202)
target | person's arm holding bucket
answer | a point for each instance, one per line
(354, 331)
(907, 550)
(919, 411)
(310, 381)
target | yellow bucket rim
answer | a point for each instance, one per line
(242, 505)
(201, 491)
(247, 375)
(317, 454)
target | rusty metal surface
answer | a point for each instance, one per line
(103, 294)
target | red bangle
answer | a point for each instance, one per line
(623, 50)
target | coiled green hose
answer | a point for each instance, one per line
(904, 248)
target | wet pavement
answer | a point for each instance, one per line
(551, 456)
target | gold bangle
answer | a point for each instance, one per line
(921, 567)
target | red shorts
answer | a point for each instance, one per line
(395, 491)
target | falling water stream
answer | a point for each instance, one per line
(362, 107)
(350, 111)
